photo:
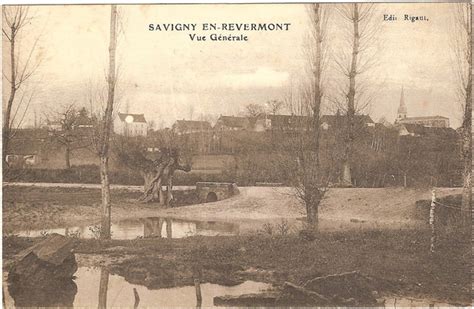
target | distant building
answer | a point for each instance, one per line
(289, 122)
(427, 121)
(334, 121)
(191, 126)
(302, 123)
(232, 123)
(418, 130)
(130, 124)
(27, 148)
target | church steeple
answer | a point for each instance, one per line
(402, 109)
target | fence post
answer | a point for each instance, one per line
(432, 221)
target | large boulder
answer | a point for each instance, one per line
(49, 259)
(41, 275)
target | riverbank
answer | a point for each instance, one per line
(398, 260)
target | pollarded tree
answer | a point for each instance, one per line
(157, 165)
(306, 173)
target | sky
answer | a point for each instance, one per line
(167, 76)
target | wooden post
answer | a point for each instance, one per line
(432, 221)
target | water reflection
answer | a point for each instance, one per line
(147, 228)
(103, 287)
(54, 293)
(98, 288)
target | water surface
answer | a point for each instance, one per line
(146, 228)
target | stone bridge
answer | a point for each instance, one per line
(215, 191)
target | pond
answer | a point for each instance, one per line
(146, 228)
(94, 285)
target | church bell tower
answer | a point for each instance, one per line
(402, 109)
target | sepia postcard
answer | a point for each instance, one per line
(237, 155)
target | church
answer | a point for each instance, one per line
(426, 121)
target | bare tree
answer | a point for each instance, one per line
(308, 180)
(352, 96)
(463, 54)
(105, 128)
(70, 133)
(254, 110)
(17, 71)
(274, 106)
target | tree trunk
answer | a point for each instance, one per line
(106, 206)
(103, 287)
(67, 156)
(107, 125)
(347, 179)
(6, 122)
(467, 128)
(169, 229)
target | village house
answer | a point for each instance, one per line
(130, 124)
(232, 123)
(334, 121)
(27, 147)
(181, 127)
(418, 130)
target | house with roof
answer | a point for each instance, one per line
(232, 123)
(419, 130)
(181, 127)
(130, 124)
(337, 120)
(426, 121)
(302, 123)
(289, 122)
(27, 147)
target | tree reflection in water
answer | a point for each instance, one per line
(103, 287)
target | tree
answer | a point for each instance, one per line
(274, 106)
(463, 53)
(357, 18)
(70, 135)
(17, 71)
(254, 110)
(105, 129)
(307, 178)
(156, 166)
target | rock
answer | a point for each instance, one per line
(247, 300)
(351, 288)
(42, 274)
(50, 259)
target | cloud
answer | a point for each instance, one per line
(261, 77)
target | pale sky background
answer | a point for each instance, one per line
(163, 74)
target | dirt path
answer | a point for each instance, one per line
(383, 205)
(59, 205)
